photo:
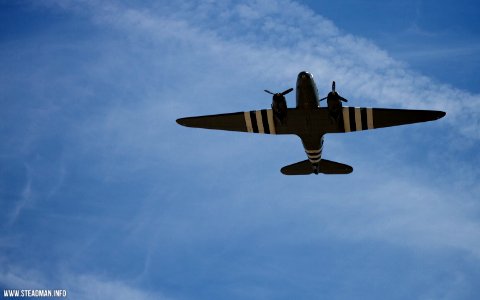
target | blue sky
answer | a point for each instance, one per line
(103, 194)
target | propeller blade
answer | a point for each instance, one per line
(333, 86)
(323, 99)
(287, 91)
(267, 91)
(343, 99)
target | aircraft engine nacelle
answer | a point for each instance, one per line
(334, 103)
(279, 107)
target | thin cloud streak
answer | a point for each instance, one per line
(24, 199)
(77, 286)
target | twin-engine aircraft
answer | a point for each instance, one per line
(311, 122)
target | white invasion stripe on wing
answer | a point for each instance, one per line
(358, 119)
(369, 118)
(248, 121)
(271, 123)
(346, 119)
(258, 114)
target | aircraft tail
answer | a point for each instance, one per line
(325, 166)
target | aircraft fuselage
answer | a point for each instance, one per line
(307, 99)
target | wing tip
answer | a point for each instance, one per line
(182, 121)
(440, 114)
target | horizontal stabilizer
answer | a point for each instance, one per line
(332, 167)
(300, 168)
(305, 167)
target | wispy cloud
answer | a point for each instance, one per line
(85, 286)
(94, 287)
(273, 40)
(24, 199)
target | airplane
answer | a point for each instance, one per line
(311, 122)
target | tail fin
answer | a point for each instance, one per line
(305, 167)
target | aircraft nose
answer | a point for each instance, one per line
(303, 74)
(304, 78)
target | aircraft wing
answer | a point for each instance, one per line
(305, 122)
(255, 121)
(363, 118)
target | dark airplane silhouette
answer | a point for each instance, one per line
(311, 122)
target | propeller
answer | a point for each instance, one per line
(282, 93)
(335, 94)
